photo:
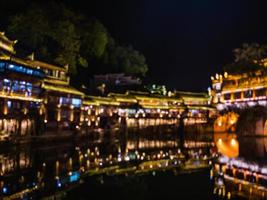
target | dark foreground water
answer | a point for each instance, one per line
(163, 185)
(136, 164)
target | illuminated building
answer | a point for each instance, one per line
(239, 90)
(35, 92)
(20, 87)
(62, 102)
(198, 104)
(150, 109)
(36, 98)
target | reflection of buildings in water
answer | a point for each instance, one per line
(249, 148)
(13, 162)
(11, 126)
(143, 122)
(150, 144)
(52, 166)
(252, 148)
(227, 144)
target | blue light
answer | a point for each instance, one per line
(9, 104)
(74, 176)
(76, 102)
(4, 190)
(59, 184)
(2, 66)
(25, 70)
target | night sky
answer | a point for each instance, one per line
(185, 42)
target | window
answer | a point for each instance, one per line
(76, 102)
(64, 100)
(248, 94)
(62, 75)
(227, 96)
(260, 92)
(237, 95)
(2, 66)
(25, 70)
(9, 104)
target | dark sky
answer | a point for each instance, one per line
(185, 42)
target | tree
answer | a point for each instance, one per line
(50, 31)
(250, 52)
(59, 35)
(248, 58)
(94, 38)
(125, 59)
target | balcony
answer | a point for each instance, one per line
(21, 95)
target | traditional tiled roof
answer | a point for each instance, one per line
(7, 44)
(19, 97)
(123, 98)
(97, 100)
(192, 95)
(62, 89)
(44, 65)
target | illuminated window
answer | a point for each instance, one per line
(9, 104)
(25, 70)
(76, 102)
(248, 94)
(2, 66)
(64, 100)
(217, 86)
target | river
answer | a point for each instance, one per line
(133, 164)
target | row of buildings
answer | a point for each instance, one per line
(239, 90)
(37, 98)
(233, 92)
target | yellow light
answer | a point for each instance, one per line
(5, 110)
(220, 141)
(71, 115)
(25, 111)
(233, 142)
(58, 115)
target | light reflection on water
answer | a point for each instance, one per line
(243, 161)
(42, 170)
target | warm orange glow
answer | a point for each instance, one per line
(227, 144)
(58, 115)
(71, 115)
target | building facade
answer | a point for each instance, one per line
(239, 90)
(36, 98)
